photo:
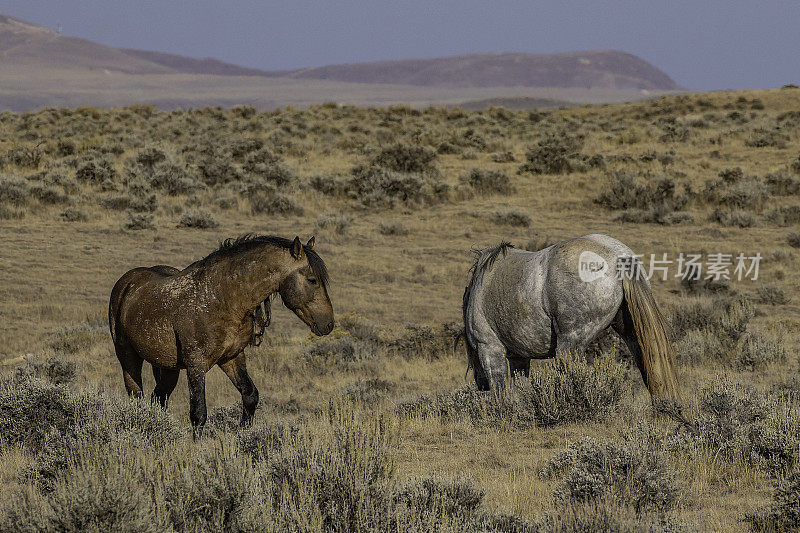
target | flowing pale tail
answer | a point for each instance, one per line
(657, 353)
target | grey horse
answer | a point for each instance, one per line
(522, 305)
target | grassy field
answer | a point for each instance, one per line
(374, 424)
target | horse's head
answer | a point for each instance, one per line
(305, 291)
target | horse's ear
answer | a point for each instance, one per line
(311, 242)
(297, 248)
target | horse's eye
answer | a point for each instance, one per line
(312, 281)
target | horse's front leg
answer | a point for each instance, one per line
(236, 370)
(197, 399)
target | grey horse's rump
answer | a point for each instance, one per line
(522, 305)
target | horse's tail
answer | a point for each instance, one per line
(658, 356)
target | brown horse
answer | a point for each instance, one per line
(207, 313)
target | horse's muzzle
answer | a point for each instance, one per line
(323, 329)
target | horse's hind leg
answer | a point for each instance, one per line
(236, 370)
(481, 381)
(131, 367)
(494, 362)
(166, 380)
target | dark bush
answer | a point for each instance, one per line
(772, 295)
(14, 191)
(783, 514)
(557, 153)
(782, 184)
(408, 158)
(624, 190)
(325, 184)
(173, 179)
(138, 221)
(738, 218)
(784, 215)
(277, 204)
(632, 473)
(96, 170)
(512, 217)
(488, 181)
(198, 218)
(74, 214)
(564, 390)
(57, 370)
(378, 187)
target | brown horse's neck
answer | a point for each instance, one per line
(241, 282)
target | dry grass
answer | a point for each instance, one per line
(407, 264)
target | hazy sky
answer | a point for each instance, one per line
(701, 44)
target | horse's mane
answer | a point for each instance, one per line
(234, 246)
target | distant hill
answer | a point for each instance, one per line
(600, 69)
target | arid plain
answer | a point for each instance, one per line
(397, 198)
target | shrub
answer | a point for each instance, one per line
(392, 228)
(783, 514)
(503, 157)
(512, 217)
(198, 218)
(14, 191)
(173, 179)
(7, 212)
(488, 181)
(566, 389)
(217, 168)
(738, 422)
(699, 346)
(325, 184)
(793, 239)
(784, 215)
(277, 204)
(557, 153)
(138, 221)
(422, 341)
(24, 156)
(95, 170)
(276, 173)
(739, 218)
(56, 369)
(406, 158)
(36, 413)
(149, 157)
(48, 195)
(764, 138)
(141, 204)
(74, 214)
(772, 295)
(367, 391)
(339, 222)
(651, 201)
(782, 184)
(344, 353)
(632, 473)
(378, 187)
(759, 349)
